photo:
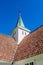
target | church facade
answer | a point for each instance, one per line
(25, 48)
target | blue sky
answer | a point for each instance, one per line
(31, 10)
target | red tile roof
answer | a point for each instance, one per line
(7, 47)
(31, 45)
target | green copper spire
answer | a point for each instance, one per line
(20, 21)
(20, 24)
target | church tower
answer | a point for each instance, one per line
(20, 31)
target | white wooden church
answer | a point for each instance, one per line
(19, 33)
(29, 49)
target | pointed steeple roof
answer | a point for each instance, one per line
(20, 22)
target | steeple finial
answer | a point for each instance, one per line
(19, 13)
(20, 21)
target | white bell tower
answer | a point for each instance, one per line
(20, 31)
